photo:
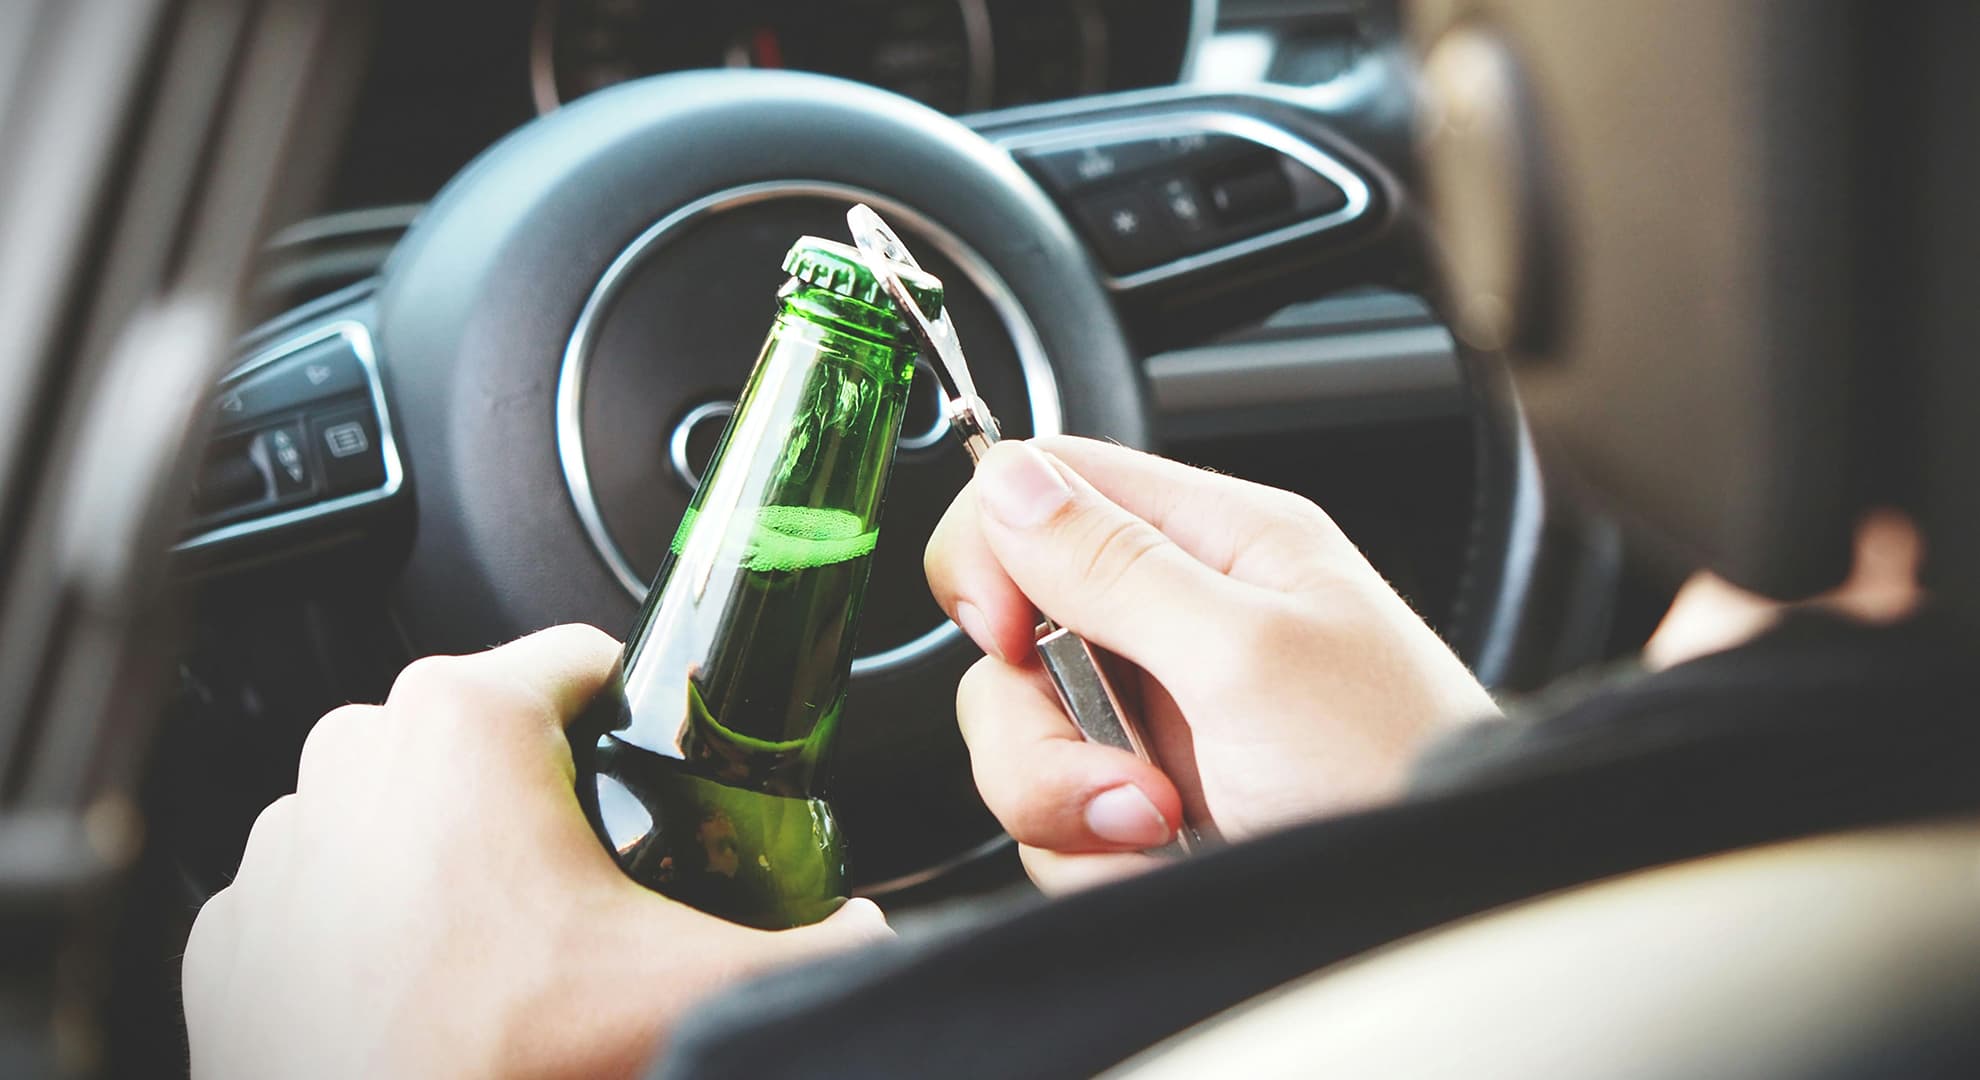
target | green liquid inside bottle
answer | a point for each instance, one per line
(703, 764)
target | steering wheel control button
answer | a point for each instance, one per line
(346, 442)
(1074, 170)
(1258, 194)
(1186, 210)
(254, 471)
(318, 372)
(229, 479)
(1128, 229)
(1081, 167)
(279, 451)
(347, 439)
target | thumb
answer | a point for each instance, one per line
(1092, 566)
(858, 922)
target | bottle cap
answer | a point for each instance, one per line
(839, 268)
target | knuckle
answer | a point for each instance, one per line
(338, 728)
(1117, 551)
(272, 819)
(1025, 824)
(952, 547)
(209, 923)
(584, 637)
(1039, 811)
(934, 554)
(427, 677)
(269, 832)
(974, 692)
(1294, 507)
(444, 693)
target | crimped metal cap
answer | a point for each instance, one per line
(837, 267)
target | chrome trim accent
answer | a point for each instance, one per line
(677, 443)
(1317, 99)
(1041, 386)
(305, 314)
(1251, 129)
(921, 877)
(359, 337)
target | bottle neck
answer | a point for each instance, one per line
(741, 657)
(866, 323)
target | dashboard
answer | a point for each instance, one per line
(450, 77)
(953, 55)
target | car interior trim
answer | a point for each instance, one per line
(678, 454)
(1320, 99)
(1526, 518)
(939, 870)
(982, 51)
(1251, 129)
(1041, 385)
(347, 223)
(1412, 370)
(1202, 24)
(358, 337)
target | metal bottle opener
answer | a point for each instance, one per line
(1083, 687)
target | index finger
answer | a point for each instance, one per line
(1245, 531)
(560, 669)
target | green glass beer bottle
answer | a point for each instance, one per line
(701, 765)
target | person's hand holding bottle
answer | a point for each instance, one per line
(1276, 675)
(431, 902)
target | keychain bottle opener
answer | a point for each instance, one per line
(1075, 671)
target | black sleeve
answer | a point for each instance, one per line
(1802, 735)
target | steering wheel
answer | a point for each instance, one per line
(542, 367)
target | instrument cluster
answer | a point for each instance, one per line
(958, 56)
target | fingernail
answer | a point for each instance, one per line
(1123, 815)
(971, 619)
(1019, 487)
